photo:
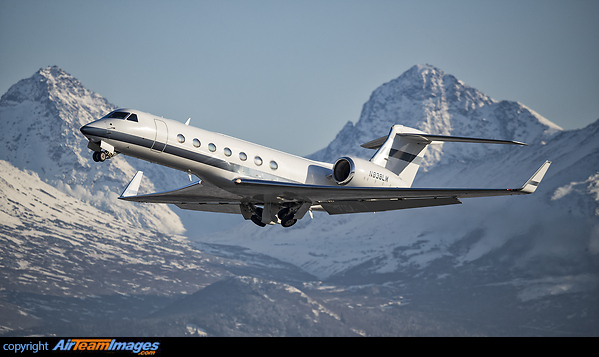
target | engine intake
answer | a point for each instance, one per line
(344, 170)
(356, 172)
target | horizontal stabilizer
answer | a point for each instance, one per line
(429, 138)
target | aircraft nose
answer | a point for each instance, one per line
(92, 129)
(86, 129)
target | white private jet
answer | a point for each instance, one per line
(268, 186)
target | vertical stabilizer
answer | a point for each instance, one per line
(401, 154)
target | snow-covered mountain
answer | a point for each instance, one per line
(74, 258)
(541, 245)
(428, 99)
(42, 115)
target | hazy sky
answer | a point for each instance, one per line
(290, 74)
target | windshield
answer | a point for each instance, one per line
(121, 115)
(117, 115)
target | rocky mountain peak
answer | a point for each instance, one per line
(426, 98)
(41, 117)
(59, 94)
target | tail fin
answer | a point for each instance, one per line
(399, 154)
(403, 150)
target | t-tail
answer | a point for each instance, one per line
(402, 151)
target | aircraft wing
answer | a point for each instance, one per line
(332, 199)
(343, 199)
(196, 196)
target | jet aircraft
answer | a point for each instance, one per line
(268, 186)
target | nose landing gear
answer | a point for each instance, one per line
(101, 156)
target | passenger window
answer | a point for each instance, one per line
(228, 152)
(196, 143)
(274, 165)
(212, 147)
(258, 160)
(132, 117)
(243, 156)
(180, 138)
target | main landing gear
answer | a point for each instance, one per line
(257, 217)
(285, 216)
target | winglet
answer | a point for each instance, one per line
(133, 186)
(531, 185)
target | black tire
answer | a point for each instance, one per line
(258, 221)
(283, 213)
(288, 222)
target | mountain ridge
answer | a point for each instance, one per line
(498, 266)
(426, 98)
(331, 246)
(42, 115)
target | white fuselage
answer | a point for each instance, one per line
(211, 156)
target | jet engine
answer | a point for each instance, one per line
(351, 171)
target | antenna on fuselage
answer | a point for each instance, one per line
(187, 122)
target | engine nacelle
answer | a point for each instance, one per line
(351, 171)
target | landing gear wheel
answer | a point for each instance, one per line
(283, 213)
(257, 217)
(258, 221)
(286, 218)
(288, 222)
(99, 156)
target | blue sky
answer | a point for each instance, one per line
(290, 74)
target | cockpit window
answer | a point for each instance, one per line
(132, 117)
(117, 115)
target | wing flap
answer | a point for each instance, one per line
(342, 207)
(220, 207)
